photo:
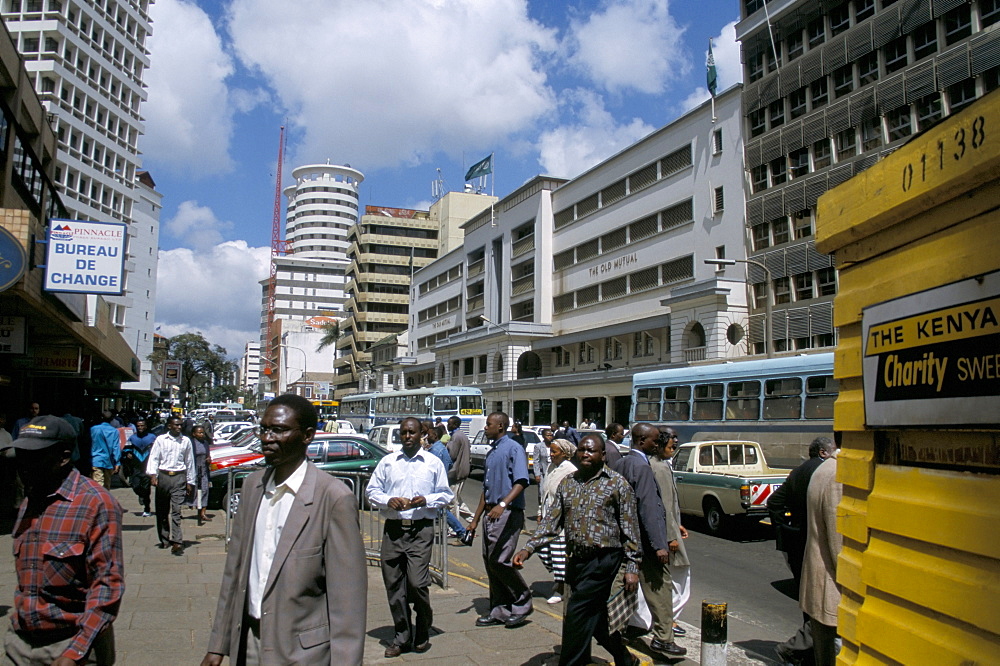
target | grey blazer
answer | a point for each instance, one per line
(315, 602)
(652, 517)
(664, 475)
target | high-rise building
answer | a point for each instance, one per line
(87, 61)
(143, 245)
(830, 88)
(250, 366)
(310, 277)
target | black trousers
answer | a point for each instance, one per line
(586, 616)
(406, 558)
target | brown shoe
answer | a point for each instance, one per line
(177, 549)
(420, 648)
(395, 650)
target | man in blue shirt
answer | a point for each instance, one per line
(105, 450)
(504, 481)
(134, 456)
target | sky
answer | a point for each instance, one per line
(397, 89)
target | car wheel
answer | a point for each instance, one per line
(715, 518)
(234, 503)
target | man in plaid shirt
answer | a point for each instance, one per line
(67, 553)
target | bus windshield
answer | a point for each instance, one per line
(466, 405)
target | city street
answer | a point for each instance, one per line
(744, 571)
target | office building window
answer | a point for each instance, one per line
(803, 286)
(760, 295)
(925, 40)
(868, 68)
(758, 175)
(776, 112)
(802, 221)
(843, 81)
(929, 111)
(779, 230)
(961, 95)
(871, 134)
(840, 18)
(847, 144)
(957, 24)
(895, 55)
(989, 12)
(820, 93)
(761, 237)
(795, 45)
(782, 291)
(817, 32)
(899, 123)
(822, 154)
(718, 200)
(863, 9)
(778, 173)
(826, 279)
(755, 67)
(757, 122)
(797, 103)
(798, 162)
(717, 141)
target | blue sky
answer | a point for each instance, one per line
(396, 89)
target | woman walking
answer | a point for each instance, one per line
(553, 556)
(201, 446)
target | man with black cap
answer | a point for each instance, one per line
(67, 554)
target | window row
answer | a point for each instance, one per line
(451, 305)
(671, 272)
(796, 288)
(873, 133)
(661, 221)
(325, 201)
(453, 273)
(781, 230)
(642, 178)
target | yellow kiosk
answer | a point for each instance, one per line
(917, 243)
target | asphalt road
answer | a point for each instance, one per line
(743, 570)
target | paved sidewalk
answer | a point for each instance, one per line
(170, 601)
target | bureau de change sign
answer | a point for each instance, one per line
(85, 257)
(933, 357)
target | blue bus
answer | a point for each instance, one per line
(782, 403)
(367, 410)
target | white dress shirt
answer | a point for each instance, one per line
(171, 454)
(398, 476)
(271, 516)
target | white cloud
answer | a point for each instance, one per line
(392, 83)
(216, 292)
(189, 113)
(197, 226)
(726, 51)
(630, 44)
(570, 149)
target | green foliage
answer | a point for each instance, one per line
(331, 333)
(204, 364)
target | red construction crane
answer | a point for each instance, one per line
(278, 247)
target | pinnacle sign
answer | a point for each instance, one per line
(86, 257)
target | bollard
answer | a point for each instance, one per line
(714, 634)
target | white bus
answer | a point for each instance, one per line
(367, 410)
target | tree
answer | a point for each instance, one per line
(203, 364)
(331, 333)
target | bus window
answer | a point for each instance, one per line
(705, 457)
(446, 403)
(783, 398)
(681, 459)
(708, 402)
(821, 393)
(470, 405)
(647, 404)
(676, 403)
(743, 401)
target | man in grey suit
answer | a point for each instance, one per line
(295, 585)
(654, 575)
(679, 565)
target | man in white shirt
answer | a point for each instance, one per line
(171, 470)
(409, 487)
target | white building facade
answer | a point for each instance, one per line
(250, 366)
(88, 60)
(566, 288)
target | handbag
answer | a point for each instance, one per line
(621, 607)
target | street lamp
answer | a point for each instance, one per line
(305, 361)
(510, 346)
(768, 331)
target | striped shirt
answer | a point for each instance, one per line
(68, 557)
(598, 512)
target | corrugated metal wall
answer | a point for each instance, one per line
(920, 568)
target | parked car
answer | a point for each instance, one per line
(724, 481)
(386, 436)
(480, 447)
(249, 454)
(331, 452)
(224, 431)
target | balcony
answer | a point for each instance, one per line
(523, 246)
(695, 354)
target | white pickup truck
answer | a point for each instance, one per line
(724, 481)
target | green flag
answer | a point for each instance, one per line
(712, 78)
(480, 168)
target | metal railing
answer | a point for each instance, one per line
(369, 518)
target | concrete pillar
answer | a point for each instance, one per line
(579, 412)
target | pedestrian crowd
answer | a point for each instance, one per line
(294, 587)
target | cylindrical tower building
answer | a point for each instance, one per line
(322, 207)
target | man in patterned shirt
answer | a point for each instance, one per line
(67, 553)
(596, 508)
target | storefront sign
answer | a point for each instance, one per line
(172, 373)
(13, 259)
(12, 335)
(933, 358)
(56, 359)
(86, 257)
